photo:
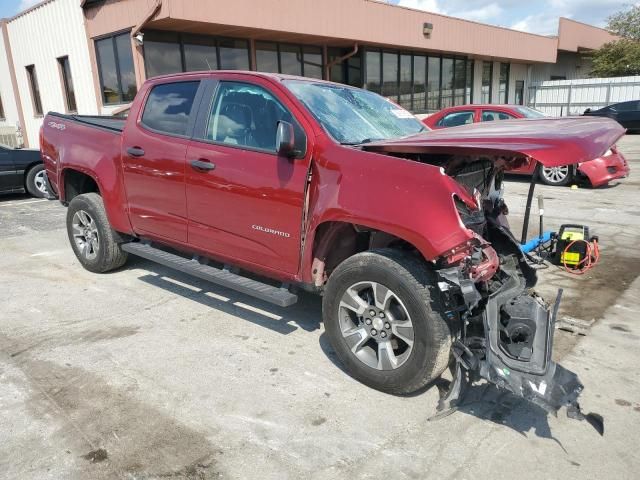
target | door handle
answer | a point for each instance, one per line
(202, 165)
(135, 151)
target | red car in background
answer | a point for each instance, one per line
(599, 172)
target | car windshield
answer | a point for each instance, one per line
(353, 116)
(530, 112)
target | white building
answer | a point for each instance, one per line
(47, 46)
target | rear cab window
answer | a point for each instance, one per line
(456, 119)
(169, 107)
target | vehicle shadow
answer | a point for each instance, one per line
(13, 197)
(305, 314)
(483, 401)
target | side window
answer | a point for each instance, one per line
(169, 106)
(455, 119)
(489, 116)
(248, 115)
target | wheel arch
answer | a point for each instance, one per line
(333, 241)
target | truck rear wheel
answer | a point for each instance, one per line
(93, 241)
(385, 322)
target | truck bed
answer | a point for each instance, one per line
(102, 121)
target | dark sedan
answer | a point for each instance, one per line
(22, 170)
(626, 114)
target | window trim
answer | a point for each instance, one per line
(116, 57)
(34, 89)
(65, 82)
(204, 115)
(194, 114)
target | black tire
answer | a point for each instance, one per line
(30, 181)
(548, 179)
(414, 284)
(107, 255)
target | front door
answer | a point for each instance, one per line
(153, 158)
(244, 201)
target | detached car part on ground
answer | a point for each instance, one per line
(598, 172)
(403, 232)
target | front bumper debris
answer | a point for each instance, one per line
(515, 352)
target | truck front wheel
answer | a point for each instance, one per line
(385, 322)
(93, 241)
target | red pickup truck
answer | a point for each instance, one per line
(271, 184)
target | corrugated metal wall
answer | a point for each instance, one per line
(573, 97)
(40, 36)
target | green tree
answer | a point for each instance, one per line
(620, 57)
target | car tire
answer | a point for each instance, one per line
(34, 181)
(421, 347)
(556, 176)
(94, 242)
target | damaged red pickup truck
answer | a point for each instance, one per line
(269, 184)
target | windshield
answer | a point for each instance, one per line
(353, 116)
(530, 112)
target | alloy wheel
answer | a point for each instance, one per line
(39, 182)
(555, 174)
(85, 234)
(376, 325)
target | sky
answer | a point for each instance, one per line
(536, 16)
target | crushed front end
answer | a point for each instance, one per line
(503, 331)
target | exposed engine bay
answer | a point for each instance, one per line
(503, 331)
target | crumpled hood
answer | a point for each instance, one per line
(551, 141)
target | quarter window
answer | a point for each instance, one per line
(169, 107)
(456, 119)
(247, 115)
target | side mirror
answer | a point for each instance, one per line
(285, 140)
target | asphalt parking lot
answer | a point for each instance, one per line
(146, 373)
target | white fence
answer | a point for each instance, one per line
(9, 136)
(572, 97)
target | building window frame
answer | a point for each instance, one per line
(2, 114)
(34, 88)
(299, 54)
(519, 92)
(116, 55)
(68, 88)
(486, 95)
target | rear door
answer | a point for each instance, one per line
(153, 157)
(244, 201)
(7, 170)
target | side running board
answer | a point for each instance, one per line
(278, 296)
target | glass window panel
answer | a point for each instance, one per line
(35, 90)
(169, 106)
(373, 71)
(234, 54)
(469, 82)
(290, 60)
(419, 83)
(312, 62)
(519, 100)
(108, 72)
(405, 86)
(390, 75)
(433, 84)
(503, 91)
(460, 73)
(267, 57)
(487, 80)
(162, 58)
(490, 116)
(456, 119)
(338, 73)
(67, 84)
(2, 117)
(199, 54)
(447, 82)
(128, 87)
(354, 70)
